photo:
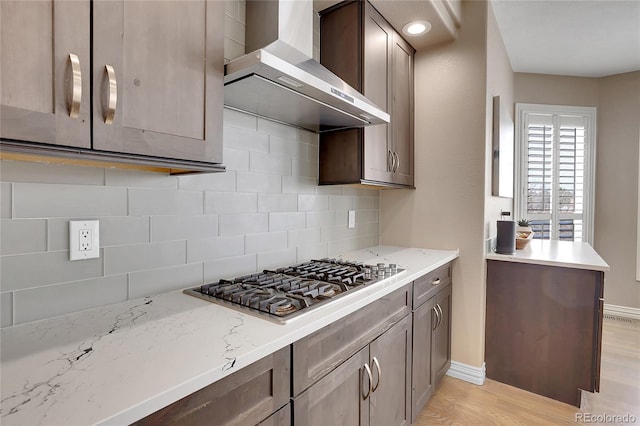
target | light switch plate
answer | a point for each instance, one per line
(84, 239)
(352, 219)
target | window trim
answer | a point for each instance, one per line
(590, 114)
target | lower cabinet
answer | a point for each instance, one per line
(370, 388)
(544, 328)
(377, 366)
(246, 397)
(431, 335)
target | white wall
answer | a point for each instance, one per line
(447, 208)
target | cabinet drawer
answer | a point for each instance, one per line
(429, 284)
(246, 397)
(317, 354)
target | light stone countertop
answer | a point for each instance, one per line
(567, 254)
(115, 364)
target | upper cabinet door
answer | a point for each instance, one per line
(378, 36)
(44, 73)
(158, 71)
(402, 111)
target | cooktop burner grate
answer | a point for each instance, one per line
(284, 293)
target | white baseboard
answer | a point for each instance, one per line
(622, 311)
(467, 373)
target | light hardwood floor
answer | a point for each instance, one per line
(460, 403)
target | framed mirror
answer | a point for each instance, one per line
(502, 152)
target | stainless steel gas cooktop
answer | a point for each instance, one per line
(287, 292)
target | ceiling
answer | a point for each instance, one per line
(576, 38)
(588, 38)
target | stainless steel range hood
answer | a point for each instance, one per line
(280, 81)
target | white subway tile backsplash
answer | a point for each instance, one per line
(140, 179)
(23, 271)
(230, 202)
(230, 267)
(286, 221)
(44, 302)
(232, 49)
(267, 241)
(329, 190)
(298, 185)
(363, 202)
(340, 202)
(204, 250)
(23, 236)
(164, 202)
(35, 200)
(5, 199)
(316, 251)
(288, 147)
(225, 181)
(243, 138)
(239, 119)
(242, 11)
(256, 182)
(168, 228)
(304, 237)
(236, 159)
(231, 8)
(339, 232)
(275, 259)
(342, 246)
(6, 309)
(160, 232)
(366, 216)
(305, 168)
(277, 202)
(114, 231)
(319, 219)
(234, 29)
(121, 259)
(22, 171)
(313, 202)
(148, 283)
(272, 164)
(242, 223)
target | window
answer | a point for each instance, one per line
(555, 148)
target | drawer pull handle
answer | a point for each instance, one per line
(113, 95)
(435, 281)
(437, 318)
(368, 371)
(76, 88)
(377, 365)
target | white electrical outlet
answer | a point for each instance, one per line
(84, 239)
(352, 219)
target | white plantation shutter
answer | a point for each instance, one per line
(555, 146)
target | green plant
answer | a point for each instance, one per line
(523, 222)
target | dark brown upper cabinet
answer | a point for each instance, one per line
(45, 57)
(362, 48)
(140, 84)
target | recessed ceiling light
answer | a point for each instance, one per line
(416, 28)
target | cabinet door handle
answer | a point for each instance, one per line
(390, 161)
(395, 154)
(368, 371)
(113, 95)
(435, 281)
(441, 316)
(377, 365)
(76, 88)
(437, 318)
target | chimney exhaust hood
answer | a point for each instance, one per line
(280, 81)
